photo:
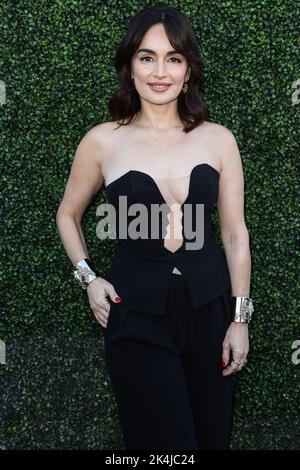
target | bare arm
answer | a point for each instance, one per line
(84, 182)
(235, 239)
(234, 232)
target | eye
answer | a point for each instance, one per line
(148, 57)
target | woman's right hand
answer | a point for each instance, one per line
(97, 291)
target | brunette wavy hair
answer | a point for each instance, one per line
(125, 102)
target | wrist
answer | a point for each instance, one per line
(92, 282)
(239, 324)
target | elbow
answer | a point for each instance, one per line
(62, 215)
(59, 217)
(239, 235)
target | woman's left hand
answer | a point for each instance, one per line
(237, 341)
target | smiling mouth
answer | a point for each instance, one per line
(159, 87)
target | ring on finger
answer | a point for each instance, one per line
(238, 363)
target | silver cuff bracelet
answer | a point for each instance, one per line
(83, 272)
(241, 309)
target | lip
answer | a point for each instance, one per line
(159, 87)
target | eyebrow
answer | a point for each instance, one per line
(150, 51)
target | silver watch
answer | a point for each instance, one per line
(83, 273)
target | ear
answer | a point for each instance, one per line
(188, 75)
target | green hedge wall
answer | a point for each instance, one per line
(56, 61)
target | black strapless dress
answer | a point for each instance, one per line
(163, 341)
(141, 268)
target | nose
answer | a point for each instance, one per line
(160, 69)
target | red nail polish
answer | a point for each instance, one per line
(117, 299)
(223, 365)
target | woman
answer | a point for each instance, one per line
(175, 315)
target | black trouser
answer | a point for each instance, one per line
(166, 373)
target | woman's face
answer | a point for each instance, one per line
(158, 65)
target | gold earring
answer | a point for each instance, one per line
(185, 87)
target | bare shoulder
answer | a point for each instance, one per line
(219, 132)
(101, 133)
(103, 129)
(98, 140)
(225, 144)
